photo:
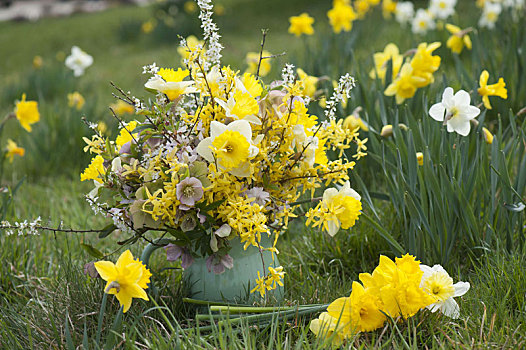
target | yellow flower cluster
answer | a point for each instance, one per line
(416, 73)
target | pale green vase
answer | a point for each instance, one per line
(233, 285)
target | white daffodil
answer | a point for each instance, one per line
(231, 145)
(442, 8)
(437, 283)
(455, 111)
(490, 14)
(78, 61)
(173, 89)
(422, 22)
(404, 12)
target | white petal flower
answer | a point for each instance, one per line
(78, 61)
(422, 22)
(455, 111)
(490, 14)
(442, 8)
(404, 12)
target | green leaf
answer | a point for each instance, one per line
(107, 230)
(92, 251)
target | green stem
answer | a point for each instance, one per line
(385, 235)
(101, 318)
(255, 309)
(206, 302)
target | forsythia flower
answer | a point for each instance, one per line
(485, 90)
(437, 283)
(27, 112)
(13, 149)
(455, 111)
(252, 60)
(381, 59)
(301, 24)
(94, 170)
(341, 17)
(337, 209)
(76, 100)
(458, 39)
(126, 280)
(405, 85)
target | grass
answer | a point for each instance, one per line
(47, 301)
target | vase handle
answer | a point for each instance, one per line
(151, 247)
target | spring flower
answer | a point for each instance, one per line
(437, 283)
(422, 22)
(78, 61)
(76, 100)
(309, 82)
(490, 14)
(189, 191)
(353, 122)
(366, 314)
(327, 327)
(218, 264)
(27, 113)
(405, 85)
(148, 27)
(420, 158)
(341, 17)
(170, 83)
(337, 209)
(485, 90)
(124, 135)
(301, 24)
(404, 12)
(126, 280)
(425, 64)
(120, 108)
(241, 105)
(361, 7)
(231, 145)
(190, 7)
(442, 8)
(458, 39)
(174, 253)
(94, 170)
(388, 8)
(37, 62)
(381, 59)
(252, 60)
(13, 149)
(488, 136)
(455, 111)
(193, 47)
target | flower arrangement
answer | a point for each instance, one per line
(217, 155)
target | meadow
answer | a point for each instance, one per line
(459, 204)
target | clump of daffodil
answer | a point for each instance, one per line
(301, 24)
(252, 60)
(485, 90)
(27, 113)
(75, 99)
(341, 16)
(381, 60)
(13, 150)
(458, 39)
(127, 279)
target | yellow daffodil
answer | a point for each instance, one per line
(485, 90)
(37, 62)
(126, 280)
(488, 136)
(381, 59)
(327, 327)
(341, 17)
(121, 107)
(13, 149)
(366, 309)
(170, 82)
(193, 48)
(76, 100)
(361, 7)
(190, 7)
(309, 82)
(301, 24)
(405, 85)
(252, 60)
(425, 64)
(388, 8)
(148, 27)
(458, 39)
(27, 113)
(124, 135)
(420, 158)
(353, 122)
(94, 170)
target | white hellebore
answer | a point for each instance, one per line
(490, 14)
(332, 195)
(455, 111)
(422, 22)
(404, 12)
(206, 147)
(78, 61)
(442, 8)
(437, 283)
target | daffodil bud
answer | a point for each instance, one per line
(387, 131)
(420, 158)
(488, 136)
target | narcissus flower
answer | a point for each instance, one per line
(366, 314)
(301, 24)
(405, 85)
(458, 39)
(13, 150)
(37, 62)
(420, 158)
(485, 90)
(194, 47)
(252, 60)
(75, 99)
(490, 14)
(78, 61)
(94, 170)
(425, 64)
(170, 82)
(328, 327)
(404, 11)
(309, 82)
(381, 59)
(423, 22)
(27, 113)
(442, 8)
(121, 107)
(341, 17)
(437, 283)
(388, 8)
(126, 280)
(488, 136)
(241, 106)
(455, 111)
